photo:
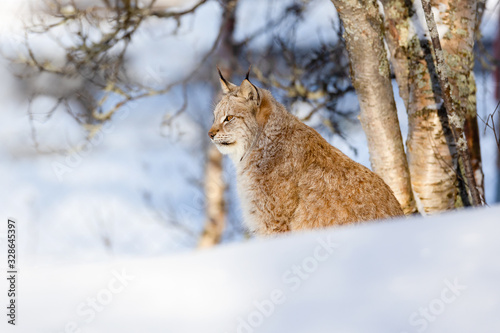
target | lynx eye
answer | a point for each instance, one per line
(229, 118)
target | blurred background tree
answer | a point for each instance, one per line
(97, 75)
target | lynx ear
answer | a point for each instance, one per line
(226, 86)
(249, 91)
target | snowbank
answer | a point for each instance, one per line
(436, 274)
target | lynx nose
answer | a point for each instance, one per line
(212, 133)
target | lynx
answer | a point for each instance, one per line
(288, 176)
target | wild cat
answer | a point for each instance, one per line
(288, 176)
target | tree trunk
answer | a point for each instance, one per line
(431, 156)
(371, 78)
(459, 16)
(214, 181)
(452, 90)
(214, 196)
(398, 34)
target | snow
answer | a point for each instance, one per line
(489, 25)
(436, 274)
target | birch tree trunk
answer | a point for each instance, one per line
(214, 196)
(370, 74)
(431, 157)
(214, 182)
(455, 116)
(459, 17)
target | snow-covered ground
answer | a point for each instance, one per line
(437, 274)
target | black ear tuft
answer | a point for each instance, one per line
(220, 75)
(248, 73)
(226, 86)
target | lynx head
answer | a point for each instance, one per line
(238, 117)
